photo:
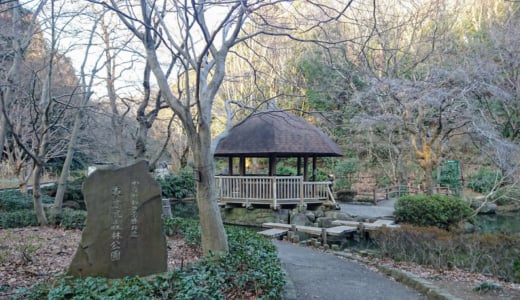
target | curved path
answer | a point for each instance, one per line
(313, 274)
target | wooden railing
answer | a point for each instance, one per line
(271, 190)
(397, 191)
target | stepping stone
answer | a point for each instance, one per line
(273, 233)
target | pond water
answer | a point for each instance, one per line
(506, 223)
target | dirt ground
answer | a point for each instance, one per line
(458, 283)
(32, 255)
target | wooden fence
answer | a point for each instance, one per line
(397, 191)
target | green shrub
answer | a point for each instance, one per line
(178, 186)
(286, 170)
(12, 200)
(251, 267)
(432, 210)
(483, 181)
(73, 192)
(344, 172)
(68, 219)
(185, 209)
(188, 228)
(449, 176)
(72, 219)
(18, 218)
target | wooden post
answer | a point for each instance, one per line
(272, 165)
(374, 196)
(314, 170)
(273, 182)
(230, 165)
(323, 236)
(302, 194)
(305, 168)
(242, 166)
(361, 230)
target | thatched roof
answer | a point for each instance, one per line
(278, 133)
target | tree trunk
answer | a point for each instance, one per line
(12, 75)
(37, 201)
(142, 136)
(214, 239)
(116, 118)
(62, 181)
(428, 179)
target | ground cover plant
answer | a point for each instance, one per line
(250, 270)
(16, 211)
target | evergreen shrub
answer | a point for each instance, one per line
(72, 219)
(432, 210)
(483, 181)
(13, 200)
(178, 186)
(73, 192)
(18, 218)
(344, 172)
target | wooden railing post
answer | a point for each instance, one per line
(273, 181)
(330, 194)
(302, 193)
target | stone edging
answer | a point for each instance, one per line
(421, 285)
(289, 292)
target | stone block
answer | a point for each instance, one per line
(123, 234)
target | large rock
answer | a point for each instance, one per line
(254, 217)
(338, 215)
(489, 208)
(300, 219)
(123, 234)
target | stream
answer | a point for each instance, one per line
(505, 223)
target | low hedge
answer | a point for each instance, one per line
(432, 210)
(491, 254)
(13, 200)
(68, 219)
(18, 218)
(250, 270)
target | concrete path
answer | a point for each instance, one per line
(316, 275)
(383, 209)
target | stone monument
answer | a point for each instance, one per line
(123, 235)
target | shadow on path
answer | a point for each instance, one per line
(313, 274)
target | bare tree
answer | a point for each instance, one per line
(46, 102)
(201, 45)
(87, 82)
(17, 40)
(431, 111)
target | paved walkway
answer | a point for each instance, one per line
(313, 274)
(383, 209)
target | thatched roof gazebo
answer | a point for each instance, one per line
(276, 134)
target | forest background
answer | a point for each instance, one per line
(401, 86)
